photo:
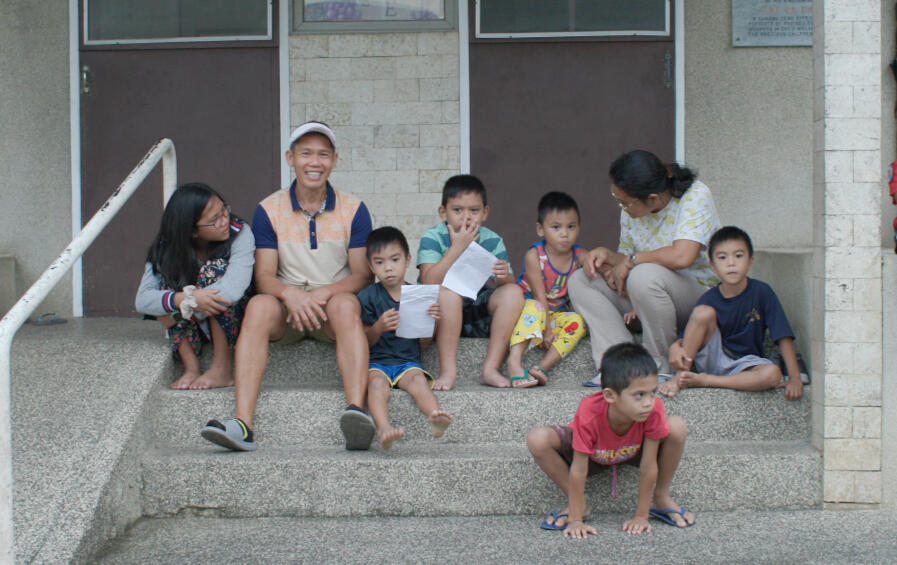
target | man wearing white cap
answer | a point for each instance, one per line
(309, 263)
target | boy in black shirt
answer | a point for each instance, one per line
(394, 361)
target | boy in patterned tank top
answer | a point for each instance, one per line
(547, 320)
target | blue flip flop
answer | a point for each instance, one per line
(661, 514)
(546, 525)
(594, 382)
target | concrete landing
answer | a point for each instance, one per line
(78, 392)
(793, 537)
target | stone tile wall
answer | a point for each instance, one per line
(847, 348)
(393, 102)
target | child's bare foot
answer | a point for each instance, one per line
(445, 382)
(682, 520)
(215, 377)
(493, 378)
(539, 374)
(671, 387)
(185, 381)
(388, 435)
(688, 379)
(439, 421)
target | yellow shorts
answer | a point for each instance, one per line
(568, 327)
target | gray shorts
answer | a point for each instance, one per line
(713, 359)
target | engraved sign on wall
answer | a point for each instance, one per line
(772, 23)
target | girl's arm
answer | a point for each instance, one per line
(150, 300)
(234, 282)
(647, 478)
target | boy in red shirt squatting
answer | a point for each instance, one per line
(625, 422)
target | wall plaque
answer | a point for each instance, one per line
(772, 23)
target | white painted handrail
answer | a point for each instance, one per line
(163, 150)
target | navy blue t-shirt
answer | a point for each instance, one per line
(743, 320)
(389, 349)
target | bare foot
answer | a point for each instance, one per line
(671, 387)
(185, 381)
(666, 502)
(439, 421)
(389, 435)
(687, 379)
(539, 374)
(215, 377)
(494, 378)
(514, 367)
(445, 382)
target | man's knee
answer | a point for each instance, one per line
(263, 312)
(343, 309)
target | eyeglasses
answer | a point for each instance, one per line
(623, 205)
(218, 219)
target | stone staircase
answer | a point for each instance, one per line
(745, 450)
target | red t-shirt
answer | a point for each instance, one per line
(593, 435)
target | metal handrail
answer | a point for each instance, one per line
(14, 319)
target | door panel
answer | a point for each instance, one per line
(218, 105)
(553, 116)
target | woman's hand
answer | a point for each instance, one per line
(593, 260)
(208, 302)
(620, 273)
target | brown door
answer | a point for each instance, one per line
(218, 103)
(552, 114)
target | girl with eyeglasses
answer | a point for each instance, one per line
(197, 282)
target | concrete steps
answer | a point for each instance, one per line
(771, 537)
(745, 450)
(455, 480)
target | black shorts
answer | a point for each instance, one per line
(475, 318)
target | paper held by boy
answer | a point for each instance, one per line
(414, 322)
(470, 271)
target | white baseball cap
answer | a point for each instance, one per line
(312, 127)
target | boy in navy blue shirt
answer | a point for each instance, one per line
(394, 361)
(724, 336)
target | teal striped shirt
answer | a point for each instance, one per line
(435, 243)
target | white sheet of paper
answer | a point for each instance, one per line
(471, 271)
(414, 322)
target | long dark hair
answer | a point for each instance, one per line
(640, 173)
(172, 253)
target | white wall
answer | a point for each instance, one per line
(35, 178)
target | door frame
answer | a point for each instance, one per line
(464, 80)
(283, 48)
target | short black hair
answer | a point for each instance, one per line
(381, 237)
(623, 363)
(556, 202)
(729, 233)
(462, 184)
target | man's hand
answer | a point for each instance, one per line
(388, 321)
(593, 260)
(678, 358)
(208, 302)
(467, 233)
(577, 530)
(637, 525)
(305, 310)
(500, 269)
(434, 311)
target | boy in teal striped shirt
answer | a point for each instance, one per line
(496, 308)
